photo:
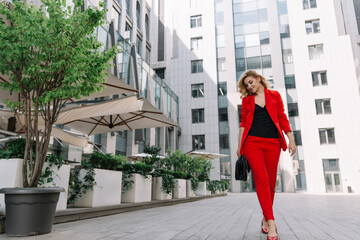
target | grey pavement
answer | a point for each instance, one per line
(236, 216)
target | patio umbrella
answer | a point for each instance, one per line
(64, 135)
(207, 155)
(112, 86)
(141, 156)
(109, 118)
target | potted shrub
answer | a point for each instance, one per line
(50, 68)
(203, 175)
(180, 185)
(163, 184)
(97, 183)
(136, 183)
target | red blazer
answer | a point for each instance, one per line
(275, 108)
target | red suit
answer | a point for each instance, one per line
(263, 153)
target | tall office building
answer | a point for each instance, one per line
(308, 50)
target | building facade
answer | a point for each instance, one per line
(308, 50)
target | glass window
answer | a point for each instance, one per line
(284, 31)
(327, 135)
(222, 89)
(138, 14)
(128, 7)
(198, 142)
(252, 40)
(197, 66)
(239, 41)
(239, 113)
(197, 115)
(309, 4)
(319, 78)
(282, 8)
(239, 52)
(102, 36)
(316, 52)
(197, 90)
(240, 64)
(250, 17)
(238, 19)
(287, 56)
(323, 106)
(266, 61)
(297, 137)
(262, 13)
(253, 63)
(221, 64)
(160, 72)
(147, 56)
(312, 26)
(223, 114)
(157, 92)
(293, 109)
(128, 30)
(195, 21)
(147, 27)
(219, 18)
(290, 82)
(196, 43)
(139, 45)
(264, 38)
(224, 141)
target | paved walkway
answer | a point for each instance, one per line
(236, 216)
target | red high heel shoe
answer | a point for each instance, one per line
(263, 230)
(273, 237)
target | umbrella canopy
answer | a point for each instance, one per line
(112, 86)
(66, 136)
(207, 155)
(109, 118)
(141, 156)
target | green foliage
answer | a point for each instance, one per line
(194, 183)
(217, 185)
(204, 170)
(168, 180)
(77, 187)
(140, 168)
(128, 171)
(181, 175)
(105, 161)
(47, 176)
(51, 55)
(154, 151)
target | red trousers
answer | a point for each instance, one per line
(263, 156)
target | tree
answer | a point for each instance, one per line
(51, 56)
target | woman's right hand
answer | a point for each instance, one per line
(238, 152)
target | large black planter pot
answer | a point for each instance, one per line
(30, 211)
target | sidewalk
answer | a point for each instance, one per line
(236, 216)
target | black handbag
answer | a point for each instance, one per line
(242, 168)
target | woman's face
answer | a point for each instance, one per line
(252, 84)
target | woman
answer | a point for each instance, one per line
(261, 138)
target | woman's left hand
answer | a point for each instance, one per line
(292, 148)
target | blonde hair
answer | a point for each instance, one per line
(244, 92)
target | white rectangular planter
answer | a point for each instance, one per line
(189, 191)
(201, 189)
(10, 176)
(60, 179)
(180, 189)
(107, 190)
(139, 191)
(158, 193)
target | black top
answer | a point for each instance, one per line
(262, 125)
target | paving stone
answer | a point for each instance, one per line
(233, 217)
